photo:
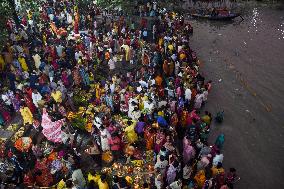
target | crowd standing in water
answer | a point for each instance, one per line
(105, 102)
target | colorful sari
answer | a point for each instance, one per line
(45, 178)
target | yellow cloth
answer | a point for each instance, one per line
(171, 47)
(30, 15)
(95, 177)
(130, 133)
(57, 96)
(98, 91)
(159, 80)
(206, 119)
(200, 178)
(27, 115)
(44, 39)
(127, 50)
(161, 113)
(23, 63)
(182, 56)
(89, 126)
(161, 41)
(103, 185)
(216, 171)
(2, 63)
(61, 184)
(141, 105)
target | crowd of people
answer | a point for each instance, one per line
(110, 91)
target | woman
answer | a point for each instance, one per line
(4, 114)
(220, 141)
(29, 102)
(172, 172)
(104, 139)
(64, 78)
(76, 76)
(130, 133)
(15, 101)
(115, 145)
(95, 153)
(23, 63)
(149, 136)
(26, 115)
(42, 173)
(188, 150)
(84, 76)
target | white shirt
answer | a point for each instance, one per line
(186, 172)
(205, 95)
(111, 64)
(77, 55)
(175, 185)
(6, 99)
(59, 50)
(36, 98)
(69, 19)
(37, 59)
(162, 165)
(112, 87)
(187, 94)
(51, 17)
(217, 159)
(162, 103)
(78, 177)
(143, 83)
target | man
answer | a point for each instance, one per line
(161, 164)
(37, 61)
(154, 30)
(78, 178)
(111, 65)
(187, 94)
(145, 34)
(59, 50)
(176, 185)
(36, 96)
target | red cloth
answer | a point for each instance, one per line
(115, 143)
(45, 178)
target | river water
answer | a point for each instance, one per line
(245, 60)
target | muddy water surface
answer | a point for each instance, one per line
(245, 60)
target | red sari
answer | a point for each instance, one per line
(149, 136)
(30, 103)
(5, 113)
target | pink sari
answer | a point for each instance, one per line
(160, 141)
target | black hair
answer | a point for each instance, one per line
(219, 165)
(176, 163)
(163, 148)
(69, 184)
(103, 177)
(233, 170)
(145, 185)
(115, 178)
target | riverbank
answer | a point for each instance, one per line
(244, 60)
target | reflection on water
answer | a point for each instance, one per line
(255, 19)
(281, 30)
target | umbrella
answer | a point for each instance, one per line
(23, 144)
